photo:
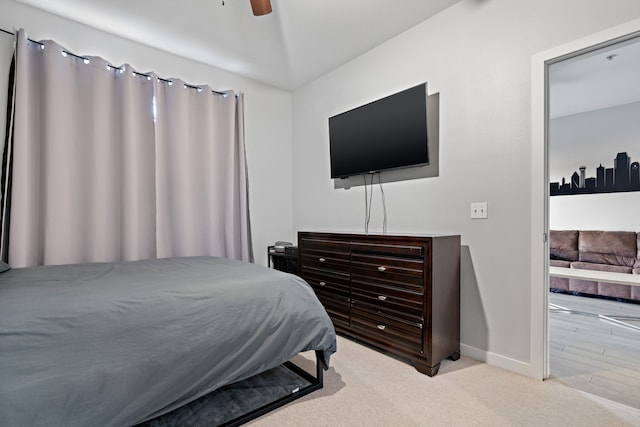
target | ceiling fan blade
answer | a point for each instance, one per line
(261, 7)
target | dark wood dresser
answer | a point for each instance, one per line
(400, 294)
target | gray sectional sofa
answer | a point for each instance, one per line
(614, 251)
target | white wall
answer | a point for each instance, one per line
(477, 55)
(612, 211)
(267, 109)
(590, 139)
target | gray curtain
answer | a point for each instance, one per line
(109, 164)
(201, 188)
(6, 53)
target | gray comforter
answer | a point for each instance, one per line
(114, 344)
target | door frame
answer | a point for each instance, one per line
(539, 360)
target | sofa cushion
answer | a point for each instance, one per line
(608, 247)
(583, 286)
(601, 267)
(561, 263)
(560, 283)
(563, 245)
(614, 290)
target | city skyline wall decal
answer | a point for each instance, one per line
(624, 176)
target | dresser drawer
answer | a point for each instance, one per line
(413, 251)
(324, 245)
(367, 270)
(326, 281)
(324, 260)
(411, 284)
(402, 303)
(378, 266)
(337, 308)
(387, 329)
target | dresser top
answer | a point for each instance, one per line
(378, 235)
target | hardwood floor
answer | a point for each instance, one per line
(595, 346)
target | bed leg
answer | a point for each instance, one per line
(319, 372)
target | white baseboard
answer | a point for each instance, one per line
(500, 361)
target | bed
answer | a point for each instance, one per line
(116, 344)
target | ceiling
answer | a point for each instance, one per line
(304, 39)
(300, 41)
(603, 78)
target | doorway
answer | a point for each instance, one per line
(549, 69)
(594, 137)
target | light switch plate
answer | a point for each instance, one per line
(479, 210)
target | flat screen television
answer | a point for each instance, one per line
(388, 133)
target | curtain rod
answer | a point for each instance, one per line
(11, 33)
(118, 68)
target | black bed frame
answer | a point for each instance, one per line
(312, 384)
(316, 384)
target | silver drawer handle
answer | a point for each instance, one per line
(381, 269)
(382, 298)
(382, 327)
(323, 284)
(322, 260)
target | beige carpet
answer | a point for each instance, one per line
(366, 388)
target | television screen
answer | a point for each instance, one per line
(385, 134)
